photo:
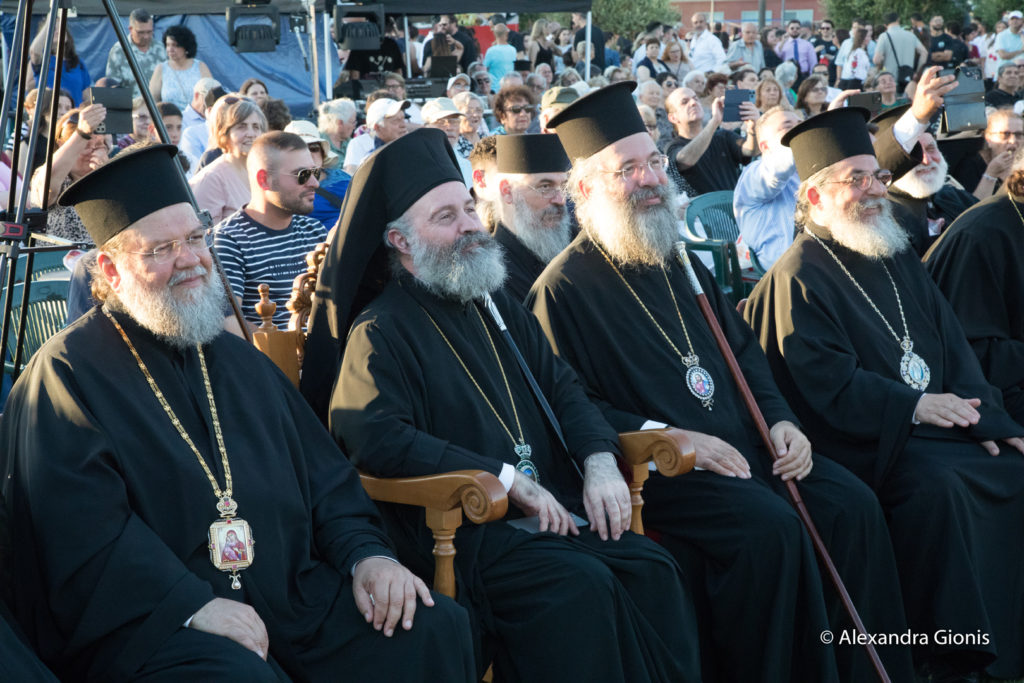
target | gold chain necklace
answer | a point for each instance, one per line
(230, 538)
(522, 449)
(913, 369)
(698, 380)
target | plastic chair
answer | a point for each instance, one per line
(714, 210)
(47, 310)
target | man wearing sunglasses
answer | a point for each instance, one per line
(873, 361)
(266, 241)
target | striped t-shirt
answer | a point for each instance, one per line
(253, 254)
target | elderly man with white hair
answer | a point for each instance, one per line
(747, 51)
(619, 306)
(337, 122)
(385, 121)
(876, 366)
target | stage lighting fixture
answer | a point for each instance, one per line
(253, 26)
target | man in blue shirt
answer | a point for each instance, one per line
(765, 196)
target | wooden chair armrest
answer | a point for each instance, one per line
(445, 497)
(670, 448)
(478, 493)
(672, 453)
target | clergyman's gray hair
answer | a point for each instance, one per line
(803, 206)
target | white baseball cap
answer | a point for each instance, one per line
(458, 77)
(439, 108)
(1015, 14)
(384, 107)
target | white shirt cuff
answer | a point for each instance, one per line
(507, 476)
(188, 621)
(913, 417)
(907, 130)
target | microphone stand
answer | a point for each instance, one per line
(791, 488)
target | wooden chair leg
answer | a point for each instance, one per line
(443, 524)
(636, 487)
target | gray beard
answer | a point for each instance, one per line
(450, 272)
(876, 237)
(545, 242)
(195, 318)
(922, 187)
(632, 232)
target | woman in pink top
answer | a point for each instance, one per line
(222, 186)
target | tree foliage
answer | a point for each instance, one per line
(842, 12)
(625, 17)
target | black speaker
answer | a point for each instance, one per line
(261, 30)
(362, 35)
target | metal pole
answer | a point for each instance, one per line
(54, 107)
(328, 59)
(589, 48)
(37, 115)
(19, 47)
(313, 50)
(408, 47)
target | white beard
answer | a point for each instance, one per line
(545, 242)
(196, 316)
(452, 272)
(630, 231)
(923, 186)
(876, 237)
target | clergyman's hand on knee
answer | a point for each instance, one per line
(385, 591)
(717, 456)
(535, 500)
(946, 410)
(606, 496)
(794, 451)
(234, 620)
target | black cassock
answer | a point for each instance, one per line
(977, 264)
(956, 514)
(913, 214)
(761, 596)
(522, 264)
(550, 608)
(110, 512)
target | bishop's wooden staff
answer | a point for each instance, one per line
(762, 428)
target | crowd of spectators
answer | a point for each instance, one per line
(515, 82)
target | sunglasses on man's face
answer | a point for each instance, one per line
(304, 174)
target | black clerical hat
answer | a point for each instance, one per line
(888, 118)
(531, 154)
(598, 119)
(355, 269)
(828, 138)
(128, 187)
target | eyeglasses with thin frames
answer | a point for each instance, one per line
(547, 190)
(862, 181)
(303, 175)
(197, 243)
(634, 171)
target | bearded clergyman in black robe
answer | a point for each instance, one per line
(533, 220)
(177, 511)
(618, 306)
(874, 362)
(429, 383)
(978, 263)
